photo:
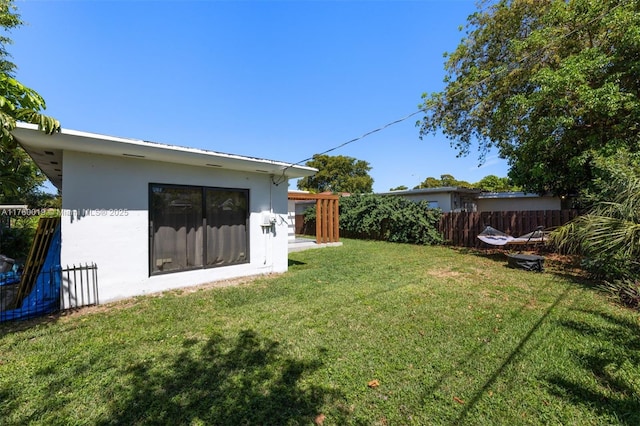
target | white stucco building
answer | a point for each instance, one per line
(156, 217)
(446, 198)
(517, 201)
(456, 199)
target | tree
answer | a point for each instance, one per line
(19, 174)
(399, 188)
(429, 182)
(448, 180)
(17, 103)
(608, 172)
(338, 174)
(551, 84)
(445, 180)
(9, 19)
(493, 183)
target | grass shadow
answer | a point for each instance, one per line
(563, 266)
(246, 380)
(295, 263)
(510, 358)
(493, 254)
(613, 360)
(16, 326)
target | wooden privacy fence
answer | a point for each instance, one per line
(461, 229)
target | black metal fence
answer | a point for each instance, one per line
(79, 286)
(54, 290)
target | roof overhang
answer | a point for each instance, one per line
(438, 190)
(511, 195)
(46, 151)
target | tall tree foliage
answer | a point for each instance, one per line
(19, 176)
(550, 83)
(338, 174)
(608, 173)
(17, 103)
(445, 180)
(493, 183)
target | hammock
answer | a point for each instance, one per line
(498, 238)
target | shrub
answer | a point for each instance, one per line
(389, 218)
(15, 241)
(627, 291)
(609, 238)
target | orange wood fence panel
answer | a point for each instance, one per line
(461, 229)
(327, 215)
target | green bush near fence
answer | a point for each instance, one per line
(16, 239)
(389, 218)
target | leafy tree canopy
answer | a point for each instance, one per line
(552, 84)
(429, 182)
(490, 183)
(19, 175)
(608, 175)
(493, 183)
(17, 103)
(445, 180)
(338, 174)
(8, 19)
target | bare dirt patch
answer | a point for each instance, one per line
(443, 273)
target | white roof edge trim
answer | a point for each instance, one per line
(283, 166)
(442, 189)
(512, 194)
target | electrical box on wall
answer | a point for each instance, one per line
(268, 219)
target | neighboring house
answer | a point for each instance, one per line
(455, 199)
(446, 198)
(516, 201)
(155, 217)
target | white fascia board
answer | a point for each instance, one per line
(441, 189)
(29, 136)
(507, 195)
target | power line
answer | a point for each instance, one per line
(282, 178)
(484, 80)
(363, 136)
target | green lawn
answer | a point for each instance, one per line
(451, 337)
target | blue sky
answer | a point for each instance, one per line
(281, 80)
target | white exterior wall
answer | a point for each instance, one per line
(105, 220)
(518, 204)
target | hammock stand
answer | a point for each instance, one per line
(528, 262)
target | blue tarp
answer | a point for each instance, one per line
(10, 277)
(44, 297)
